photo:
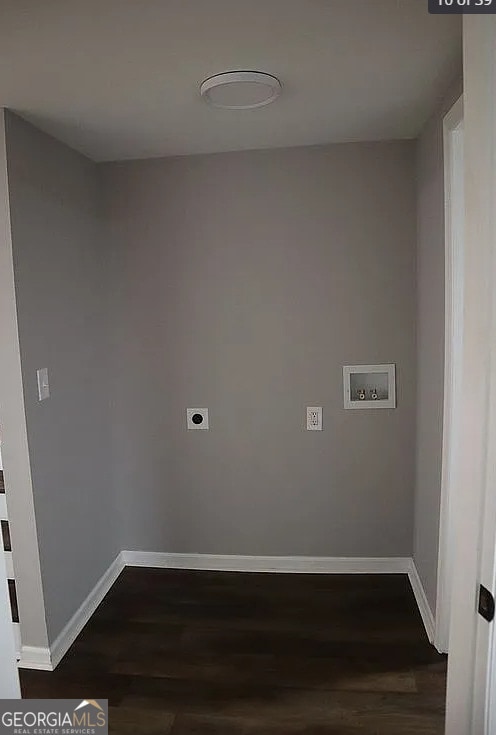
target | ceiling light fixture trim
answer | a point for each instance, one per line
(240, 90)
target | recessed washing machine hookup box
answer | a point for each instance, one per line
(369, 386)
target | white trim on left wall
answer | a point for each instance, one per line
(47, 659)
(33, 657)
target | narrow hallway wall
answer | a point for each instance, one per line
(61, 287)
(15, 451)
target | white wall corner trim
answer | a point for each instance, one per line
(283, 564)
(422, 601)
(35, 658)
(76, 624)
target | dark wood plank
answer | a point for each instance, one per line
(6, 542)
(13, 601)
(181, 652)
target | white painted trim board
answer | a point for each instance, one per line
(453, 352)
(422, 601)
(47, 659)
(3, 508)
(281, 564)
(9, 564)
(82, 615)
(35, 658)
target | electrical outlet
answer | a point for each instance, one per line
(314, 418)
(197, 418)
(43, 385)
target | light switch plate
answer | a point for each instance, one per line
(43, 385)
(314, 418)
(197, 418)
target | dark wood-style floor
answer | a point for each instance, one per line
(204, 653)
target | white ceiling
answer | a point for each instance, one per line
(119, 79)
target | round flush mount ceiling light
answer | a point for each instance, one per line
(240, 90)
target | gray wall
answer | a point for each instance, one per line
(15, 451)
(243, 282)
(60, 275)
(430, 343)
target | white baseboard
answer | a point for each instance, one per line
(284, 564)
(35, 658)
(47, 659)
(422, 601)
(75, 625)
